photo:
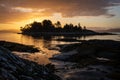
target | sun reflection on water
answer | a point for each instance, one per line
(46, 44)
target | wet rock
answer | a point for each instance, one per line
(86, 75)
(92, 52)
(18, 47)
(14, 68)
(90, 49)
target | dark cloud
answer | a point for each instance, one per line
(68, 8)
(8, 15)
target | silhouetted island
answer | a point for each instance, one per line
(46, 27)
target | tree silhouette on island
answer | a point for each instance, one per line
(46, 27)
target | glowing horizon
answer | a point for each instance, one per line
(102, 14)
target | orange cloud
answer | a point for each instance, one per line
(16, 10)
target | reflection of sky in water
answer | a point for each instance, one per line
(105, 37)
(46, 44)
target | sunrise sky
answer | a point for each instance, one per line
(99, 14)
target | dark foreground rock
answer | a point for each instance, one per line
(91, 55)
(12, 46)
(14, 68)
(90, 49)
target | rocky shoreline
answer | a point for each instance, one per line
(12, 46)
(97, 57)
(93, 60)
(13, 67)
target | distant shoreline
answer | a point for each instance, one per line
(65, 33)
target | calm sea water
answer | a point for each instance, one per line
(47, 45)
